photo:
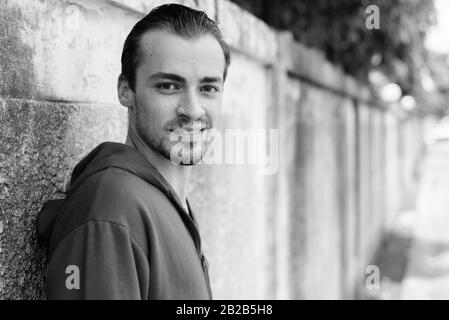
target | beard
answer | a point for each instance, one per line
(193, 149)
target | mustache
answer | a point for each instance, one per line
(182, 121)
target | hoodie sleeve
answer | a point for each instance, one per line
(98, 260)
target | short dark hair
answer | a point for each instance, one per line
(178, 19)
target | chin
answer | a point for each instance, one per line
(194, 157)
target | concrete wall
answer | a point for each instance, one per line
(307, 231)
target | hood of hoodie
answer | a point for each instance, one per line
(106, 155)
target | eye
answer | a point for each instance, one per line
(167, 86)
(210, 89)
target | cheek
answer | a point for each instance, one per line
(154, 110)
(213, 110)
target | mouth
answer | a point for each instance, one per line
(189, 130)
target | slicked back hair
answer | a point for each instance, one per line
(178, 19)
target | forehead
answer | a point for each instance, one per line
(163, 51)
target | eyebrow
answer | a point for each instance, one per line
(178, 78)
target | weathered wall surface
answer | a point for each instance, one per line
(40, 143)
(308, 231)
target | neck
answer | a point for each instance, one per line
(176, 175)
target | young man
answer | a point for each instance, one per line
(125, 229)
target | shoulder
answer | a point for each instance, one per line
(111, 195)
(116, 195)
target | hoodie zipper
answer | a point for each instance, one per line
(205, 266)
(194, 232)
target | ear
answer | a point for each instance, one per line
(124, 92)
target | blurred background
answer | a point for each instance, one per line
(358, 91)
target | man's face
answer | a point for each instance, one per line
(179, 86)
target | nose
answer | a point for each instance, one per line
(190, 105)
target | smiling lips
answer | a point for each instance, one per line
(190, 129)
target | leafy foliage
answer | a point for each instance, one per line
(338, 28)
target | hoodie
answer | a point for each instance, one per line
(121, 233)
